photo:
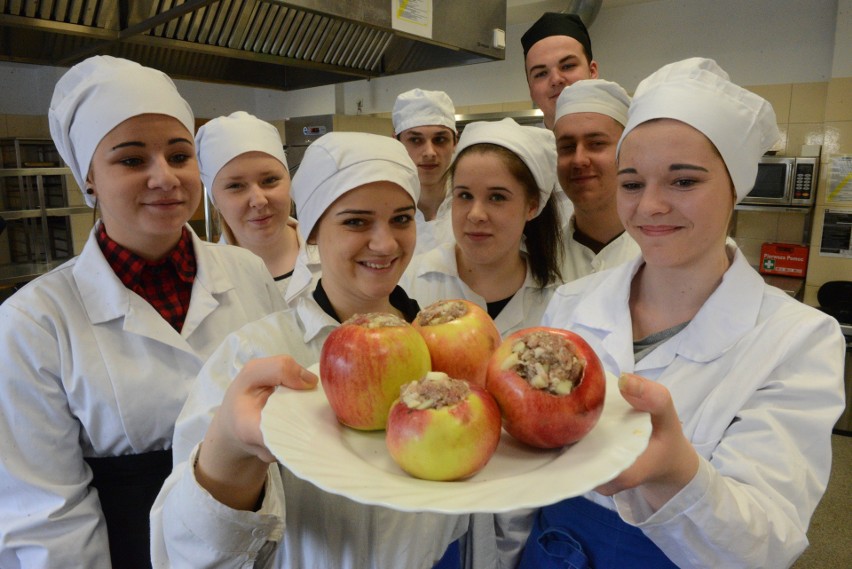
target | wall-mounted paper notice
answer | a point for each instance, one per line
(840, 180)
(412, 17)
(836, 238)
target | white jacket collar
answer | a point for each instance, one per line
(106, 298)
(729, 313)
(313, 318)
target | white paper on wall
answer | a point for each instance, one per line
(412, 17)
(840, 180)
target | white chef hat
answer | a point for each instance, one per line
(224, 138)
(696, 91)
(423, 108)
(594, 96)
(98, 94)
(535, 146)
(341, 161)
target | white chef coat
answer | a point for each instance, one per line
(580, 261)
(434, 276)
(91, 369)
(433, 233)
(564, 205)
(756, 378)
(305, 272)
(322, 530)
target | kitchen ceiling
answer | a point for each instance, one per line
(264, 43)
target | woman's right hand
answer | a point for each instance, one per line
(233, 459)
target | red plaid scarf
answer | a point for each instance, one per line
(166, 284)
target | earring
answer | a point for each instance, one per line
(90, 191)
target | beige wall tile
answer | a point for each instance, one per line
(824, 269)
(781, 145)
(838, 138)
(27, 126)
(489, 108)
(279, 124)
(750, 248)
(363, 123)
(803, 133)
(756, 225)
(824, 168)
(779, 96)
(791, 227)
(838, 102)
(807, 102)
(811, 295)
(518, 106)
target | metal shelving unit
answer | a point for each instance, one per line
(34, 205)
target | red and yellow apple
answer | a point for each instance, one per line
(461, 337)
(442, 428)
(363, 364)
(549, 384)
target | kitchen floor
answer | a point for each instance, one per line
(830, 532)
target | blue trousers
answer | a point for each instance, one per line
(579, 534)
(451, 558)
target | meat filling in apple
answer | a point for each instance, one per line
(434, 391)
(376, 320)
(441, 313)
(545, 361)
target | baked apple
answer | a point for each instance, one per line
(363, 364)
(549, 384)
(442, 428)
(461, 337)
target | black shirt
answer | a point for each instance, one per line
(398, 299)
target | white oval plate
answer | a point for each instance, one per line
(300, 429)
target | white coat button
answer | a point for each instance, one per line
(259, 533)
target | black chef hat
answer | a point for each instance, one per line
(557, 24)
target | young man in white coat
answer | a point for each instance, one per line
(425, 123)
(590, 117)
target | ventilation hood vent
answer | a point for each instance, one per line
(262, 43)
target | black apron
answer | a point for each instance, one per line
(127, 487)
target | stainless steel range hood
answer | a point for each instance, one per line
(263, 43)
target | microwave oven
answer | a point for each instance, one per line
(785, 181)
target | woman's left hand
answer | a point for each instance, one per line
(670, 461)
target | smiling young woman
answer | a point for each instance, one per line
(508, 246)
(245, 174)
(355, 198)
(743, 383)
(98, 354)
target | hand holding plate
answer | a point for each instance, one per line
(233, 460)
(670, 461)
